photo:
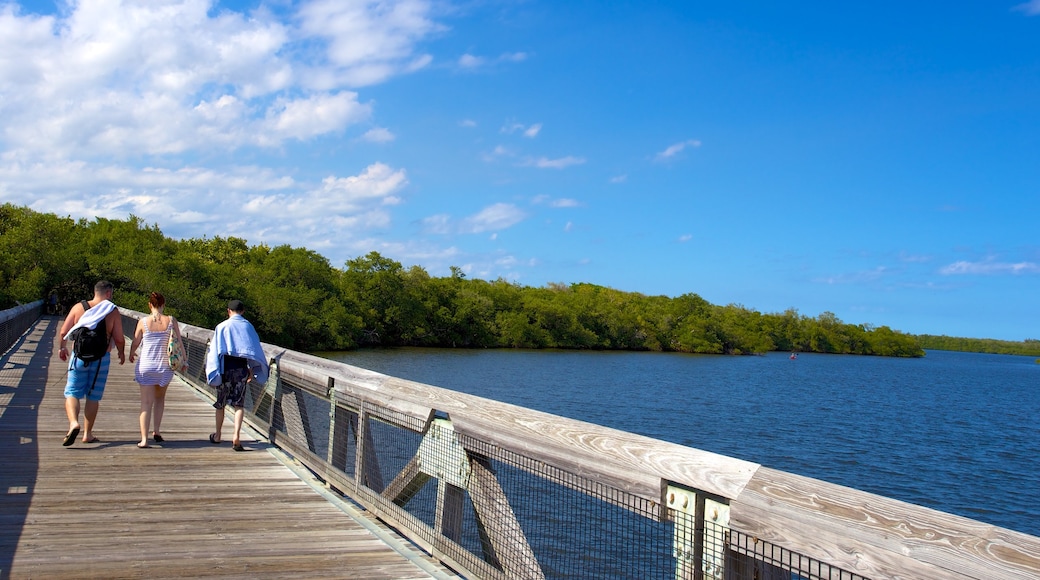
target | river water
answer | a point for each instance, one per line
(957, 432)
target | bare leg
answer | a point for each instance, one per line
(158, 408)
(72, 410)
(90, 411)
(147, 400)
(239, 415)
(220, 423)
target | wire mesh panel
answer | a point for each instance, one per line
(578, 529)
(15, 321)
(749, 557)
(722, 553)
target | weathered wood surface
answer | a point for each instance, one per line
(876, 536)
(183, 508)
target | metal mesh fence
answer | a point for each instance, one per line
(15, 321)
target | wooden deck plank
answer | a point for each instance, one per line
(183, 508)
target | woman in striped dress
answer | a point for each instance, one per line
(153, 370)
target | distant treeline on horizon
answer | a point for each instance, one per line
(298, 300)
(1028, 347)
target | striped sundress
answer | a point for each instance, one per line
(153, 362)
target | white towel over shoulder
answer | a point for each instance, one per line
(92, 316)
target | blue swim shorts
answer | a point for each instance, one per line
(82, 381)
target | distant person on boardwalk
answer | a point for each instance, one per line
(87, 379)
(235, 356)
(153, 371)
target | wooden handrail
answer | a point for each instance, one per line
(871, 535)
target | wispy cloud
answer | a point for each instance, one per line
(560, 163)
(1031, 8)
(914, 258)
(493, 218)
(989, 267)
(378, 135)
(529, 131)
(676, 149)
(619, 179)
(472, 62)
(862, 277)
(558, 202)
(685, 237)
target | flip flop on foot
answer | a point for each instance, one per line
(145, 446)
(158, 438)
(213, 439)
(238, 447)
(93, 440)
(70, 437)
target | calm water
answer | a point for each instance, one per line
(957, 432)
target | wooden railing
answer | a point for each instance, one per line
(500, 491)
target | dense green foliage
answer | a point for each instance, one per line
(1028, 347)
(298, 300)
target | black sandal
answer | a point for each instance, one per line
(213, 439)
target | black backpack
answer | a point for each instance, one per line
(90, 344)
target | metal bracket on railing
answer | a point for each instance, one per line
(330, 392)
(441, 454)
(273, 387)
(699, 537)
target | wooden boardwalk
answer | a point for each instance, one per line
(183, 508)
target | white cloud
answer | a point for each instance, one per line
(470, 61)
(1031, 8)
(513, 57)
(529, 131)
(129, 79)
(313, 116)
(378, 135)
(532, 131)
(675, 149)
(619, 179)
(437, 224)
(559, 202)
(499, 216)
(561, 163)
(989, 267)
(685, 237)
(178, 110)
(366, 41)
(493, 218)
(855, 277)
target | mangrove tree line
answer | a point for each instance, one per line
(297, 299)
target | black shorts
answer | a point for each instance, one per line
(233, 382)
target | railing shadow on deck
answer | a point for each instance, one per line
(500, 491)
(20, 395)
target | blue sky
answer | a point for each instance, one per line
(875, 160)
